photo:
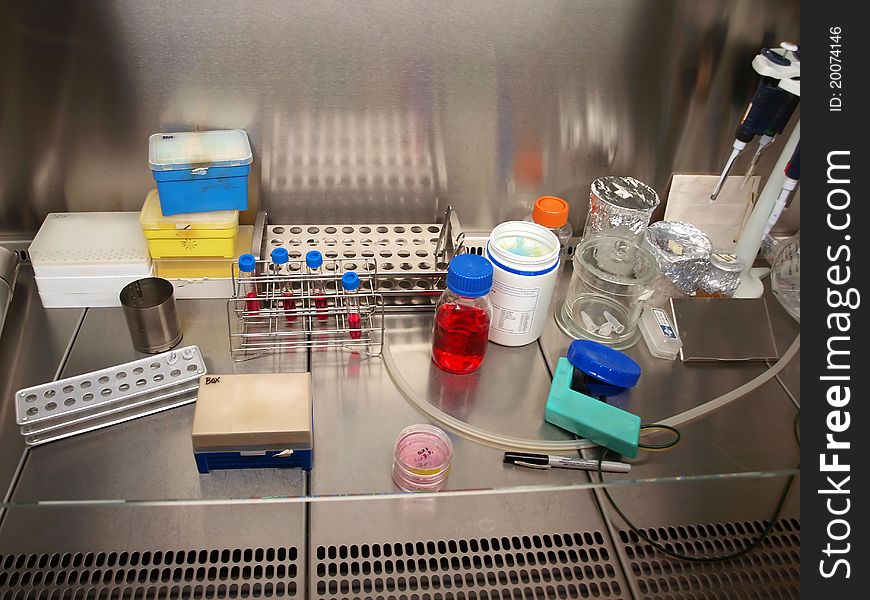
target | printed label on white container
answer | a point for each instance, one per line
(664, 323)
(513, 307)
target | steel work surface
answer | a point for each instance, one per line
(538, 543)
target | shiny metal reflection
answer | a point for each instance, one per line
(8, 275)
(485, 106)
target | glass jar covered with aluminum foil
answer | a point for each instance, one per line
(722, 276)
(620, 206)
(682, 252)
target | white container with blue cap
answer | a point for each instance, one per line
(525, 260)
(201, 171)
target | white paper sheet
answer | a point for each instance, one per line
(722, 221)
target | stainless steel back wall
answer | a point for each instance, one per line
(376, 111)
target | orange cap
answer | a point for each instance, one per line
(550, 211)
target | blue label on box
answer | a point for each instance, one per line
(664, 324)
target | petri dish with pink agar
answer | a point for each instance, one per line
(421, 461)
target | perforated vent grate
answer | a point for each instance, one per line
(213, 574)
(569, 565)
(771, 570)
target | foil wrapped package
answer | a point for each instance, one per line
(682, 252)
(620, 206)
(722, 275)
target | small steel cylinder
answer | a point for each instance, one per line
(149, 307)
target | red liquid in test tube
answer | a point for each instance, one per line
(314, 262)
(247, 269)
(289, 305)
(350, 282)
(354, 321)
(252, 306)
(321, 305)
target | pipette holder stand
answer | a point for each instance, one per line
(753, 233)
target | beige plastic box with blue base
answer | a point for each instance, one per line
(589, 417)
(253, 421)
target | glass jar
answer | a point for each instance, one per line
(612, 278)
(619, 206)
(785, 275)
(462, 315)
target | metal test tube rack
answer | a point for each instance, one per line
(291, 322)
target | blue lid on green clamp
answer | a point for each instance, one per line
(604, 363)
(247, 263)
(280, 256)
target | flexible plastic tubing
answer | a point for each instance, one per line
(505, 442)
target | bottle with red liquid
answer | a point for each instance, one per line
(462, 315)
(314, 262)
(281, 271)
(350, 284)
(247, 268)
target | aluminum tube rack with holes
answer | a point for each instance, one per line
(411, 258)
(75, 405)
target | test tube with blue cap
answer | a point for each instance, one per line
(350, 283)
(314, 264)
(247, 267)
(280, 268)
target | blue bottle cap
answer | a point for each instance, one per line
(247, 263)
(469, 275)
(350, 281)
(314, 259)
(604, 363)
(280, 256)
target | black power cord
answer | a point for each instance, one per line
(689, 557)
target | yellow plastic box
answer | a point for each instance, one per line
(204, 277)
(205, 234)
(205, 267)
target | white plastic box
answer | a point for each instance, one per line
(659, 333)
(84, 259)
(90, 244)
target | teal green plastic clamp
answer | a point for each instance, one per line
(589, 418)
